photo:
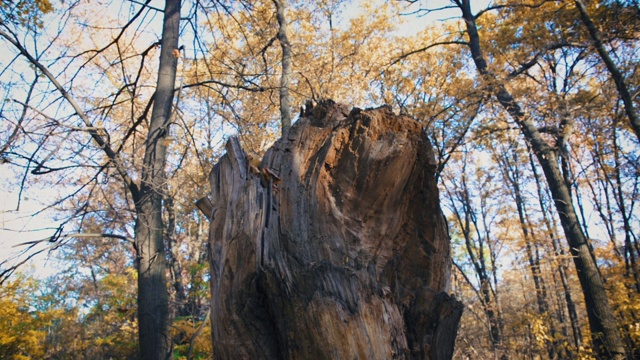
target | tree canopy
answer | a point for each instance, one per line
(113, 114)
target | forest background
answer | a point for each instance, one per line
(531, 106)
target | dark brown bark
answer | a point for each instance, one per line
(606, 339)
(340, 252)
(153, 298)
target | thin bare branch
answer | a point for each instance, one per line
(113, 156)
(55, 238)
(509, 6)
(237, 86)
(440, 43)
(531, 63)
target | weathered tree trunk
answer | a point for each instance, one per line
(336, 247)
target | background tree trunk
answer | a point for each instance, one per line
(606, 339)
(285, 99)
(153, 297)
(336, 247)
(616, 74)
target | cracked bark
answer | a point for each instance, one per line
(353, 260)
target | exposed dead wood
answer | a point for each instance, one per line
(206, 207)
(345, 257)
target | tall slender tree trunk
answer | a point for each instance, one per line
(153, 307)
(629, 249)
(606, 338)
(174, 264)
(512, 176)
(285, 99)
(617, 76)
(560, 254)
(467, 222)
(150, 251)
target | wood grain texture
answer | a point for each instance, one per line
(346, 257)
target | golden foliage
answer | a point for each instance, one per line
(183, 332)
(23, 327)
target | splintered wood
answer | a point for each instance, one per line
(345, 256)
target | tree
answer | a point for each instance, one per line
(153, 301)
(285, 99)
(616, 74)
(474, 222)
(147, 195)
(525, 298)
(606, 336)
(508, 157)
(121, 131)
(560, 262)
(23, 329)
(322, 251)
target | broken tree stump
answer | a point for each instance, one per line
(334, 247)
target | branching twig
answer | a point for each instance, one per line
(405, 55)
(211, 81)
(113, 156)
(57, 237)
(529, 64)
(195, 335)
